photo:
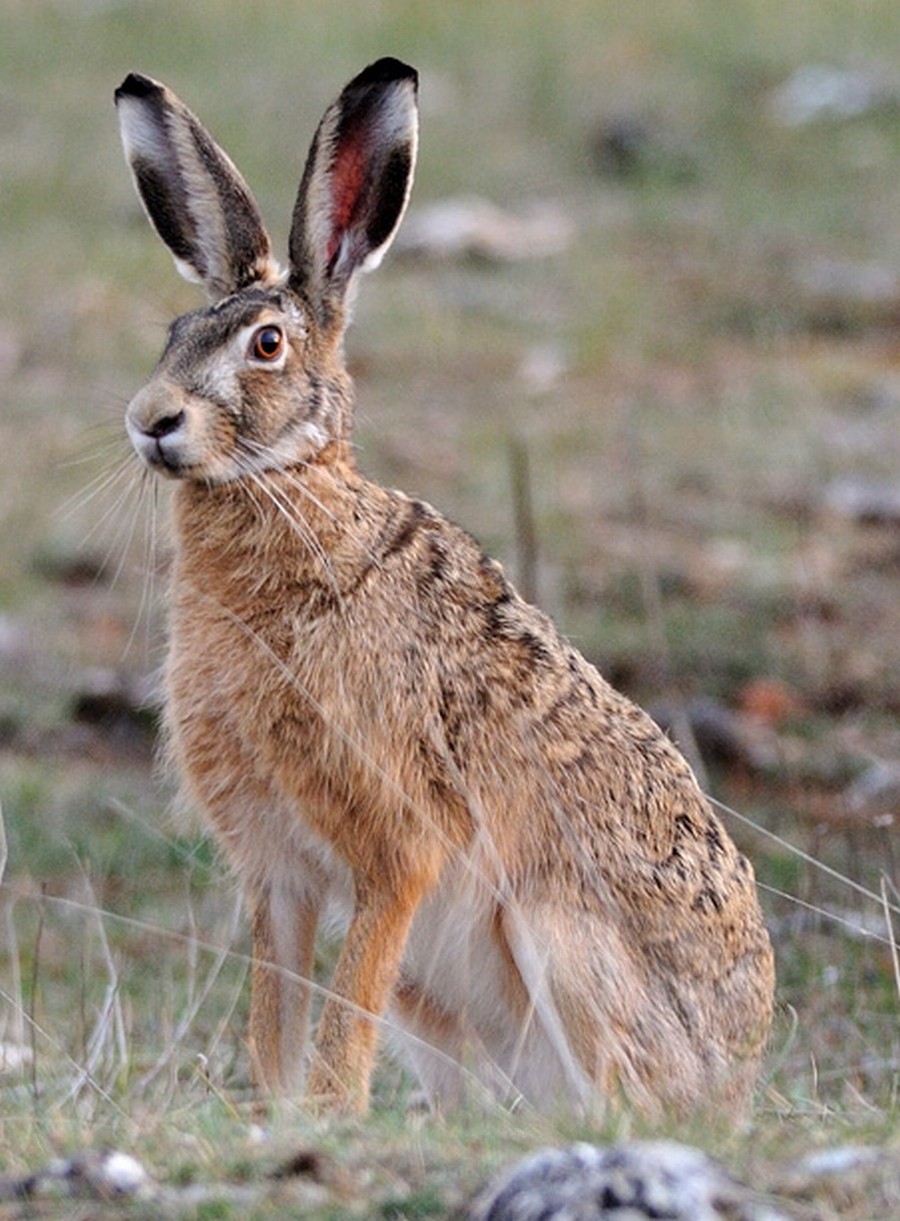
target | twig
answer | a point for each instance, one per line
(109, 1029)
(201, 1069)
(3, 849)
(32, 1000)
(524, 527)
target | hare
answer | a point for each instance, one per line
(533, 891)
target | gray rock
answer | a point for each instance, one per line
(822, 92)
(865, 501)
(643, 1179)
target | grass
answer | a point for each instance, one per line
(677, 460)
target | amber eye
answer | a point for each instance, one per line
(267, 343)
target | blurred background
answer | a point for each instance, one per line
(639, 334)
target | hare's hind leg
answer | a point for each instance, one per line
(597, 1030)
(619, 1027)
(544, 1055)
(284, 934)
(433, 1044)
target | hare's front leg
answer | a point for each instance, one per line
(284, 934)
(366, 972)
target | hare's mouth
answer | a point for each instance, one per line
(161, 449)
(167, 464)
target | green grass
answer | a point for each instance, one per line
(676, 468)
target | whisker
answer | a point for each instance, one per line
(112, 515)
(297, 523)
(149, 489)
(113, 445)
(79, 500)
(130, 529)
(294, 481)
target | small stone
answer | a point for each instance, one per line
(476, 228)
(867, 502)
(121, 1174)
(822, 92)
(839, 1160)
(14, 1056)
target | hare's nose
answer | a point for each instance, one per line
(165, 426)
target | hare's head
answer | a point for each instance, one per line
(256, 379)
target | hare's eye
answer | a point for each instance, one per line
(267, 343)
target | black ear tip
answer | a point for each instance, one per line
(386, 71)
(137, 86)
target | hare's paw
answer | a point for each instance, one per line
(328, 1092)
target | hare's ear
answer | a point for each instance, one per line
(197, 201)
(355, 185)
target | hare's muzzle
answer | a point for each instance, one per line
(157, 426)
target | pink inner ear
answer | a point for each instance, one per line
(348, 177)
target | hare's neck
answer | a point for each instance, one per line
(310, 531)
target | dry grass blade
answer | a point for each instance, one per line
(807, 857)
(889, 920)
(197, 1000)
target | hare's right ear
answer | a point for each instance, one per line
(355, 185)
(197, 201)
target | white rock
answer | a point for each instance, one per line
(14, 1056)
(121, 1174)
(638, 1180)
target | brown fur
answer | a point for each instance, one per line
(378, 727)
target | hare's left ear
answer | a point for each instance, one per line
(197, 201)
(356, 184)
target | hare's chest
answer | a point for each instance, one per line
(251, 698)
(249, 742)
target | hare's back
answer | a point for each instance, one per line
(521, 713)
(573, 781)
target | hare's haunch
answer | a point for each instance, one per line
(380, 732)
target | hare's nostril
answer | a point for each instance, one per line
(165, 426)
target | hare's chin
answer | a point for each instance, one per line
(168, 468)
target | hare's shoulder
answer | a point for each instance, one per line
(447, 592)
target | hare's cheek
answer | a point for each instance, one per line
(219, 440)
(263, 401)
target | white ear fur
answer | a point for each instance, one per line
(356, 183)
(194, 196)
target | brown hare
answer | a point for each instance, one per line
(382, 735)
